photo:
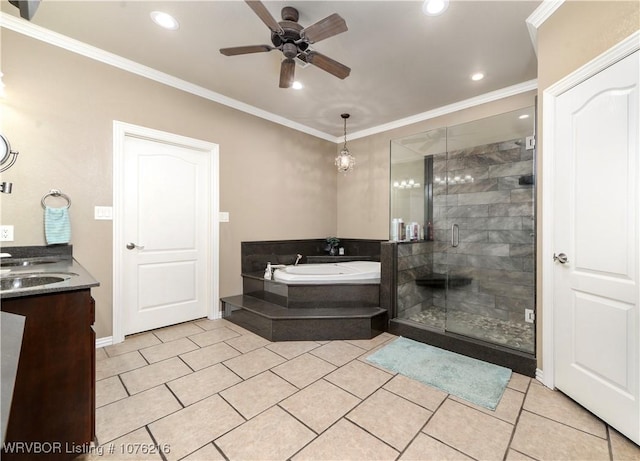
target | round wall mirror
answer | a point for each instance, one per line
(6, 154)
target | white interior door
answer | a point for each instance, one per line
(167, 203)
(597, 227)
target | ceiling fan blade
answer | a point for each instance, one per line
(287, 71)
(325, 28)
(236, 50)
(327, 64)
(262, 12)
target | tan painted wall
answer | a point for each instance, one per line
(58, 110)
(575, 34)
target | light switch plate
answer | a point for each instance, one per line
(103, 213)
(223, 216)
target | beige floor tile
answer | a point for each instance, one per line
(557, 406)
(174, 332)
(291, 349)
(372, 343)
(135, 446)
(622, 448)
(194, 426)
(542, 438)
(119, 364)
(424, 448)
(132, 343)
(303, 370)
(204, 383)
(210, 355)
(121, 417)
(513, 455)
(101, 354)
(168, 349)
(153, 375)
(470, 431)
(338, 352)
(346, 441)
(519, 382)
(273, 435)
(256, 394)
(390, 418)
(320, 405)
(254, 362)
(109, 390)
(207, 453)
(210, 337)
(426, 396)
(508, 408)
(247, 343)
(360, 379)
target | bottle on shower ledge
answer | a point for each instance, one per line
(267, 272)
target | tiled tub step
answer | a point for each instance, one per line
(278, 323)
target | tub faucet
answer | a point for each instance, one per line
(5, 255)
(298, 258)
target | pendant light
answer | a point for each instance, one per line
(345, 161)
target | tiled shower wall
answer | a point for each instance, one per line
(494, 261)
(490, 274)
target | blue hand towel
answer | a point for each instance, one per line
(57, 227)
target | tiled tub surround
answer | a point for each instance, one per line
(490, 274)
(278, 311)
(211, 390)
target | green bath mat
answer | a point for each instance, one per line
(476, 381)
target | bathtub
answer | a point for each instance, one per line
(325, 274)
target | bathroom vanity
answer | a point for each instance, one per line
(52, 413)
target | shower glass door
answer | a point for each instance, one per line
(471, 189)
(487, 217)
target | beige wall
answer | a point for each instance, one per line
(58, 110)
(575, 34)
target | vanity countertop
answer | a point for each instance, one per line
(44, 262)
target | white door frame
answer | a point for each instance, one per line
(549, 97)
(120, 131)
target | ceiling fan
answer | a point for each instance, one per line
(294, 40)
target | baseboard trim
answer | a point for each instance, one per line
(102, 342)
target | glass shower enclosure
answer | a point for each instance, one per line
(470, 189)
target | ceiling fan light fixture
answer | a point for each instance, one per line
(435, 7)
(345, 161)
(164, 20)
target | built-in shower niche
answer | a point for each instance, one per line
(475, 277)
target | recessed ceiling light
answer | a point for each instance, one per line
(296, 85)
(523, 116)
(434, 7)
(164, 20)
(477, 76)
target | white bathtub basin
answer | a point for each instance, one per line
(347, 272)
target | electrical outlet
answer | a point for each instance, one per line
(6, 233)
(529, 316)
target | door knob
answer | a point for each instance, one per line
(561, 258)
(131, 246)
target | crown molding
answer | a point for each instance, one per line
(539, 16)
(444, 110)
(34, 31)
(75, 46)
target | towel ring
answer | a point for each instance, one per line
(55, 193)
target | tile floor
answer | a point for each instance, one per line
(210, 390)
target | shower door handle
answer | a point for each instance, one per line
(455, 235)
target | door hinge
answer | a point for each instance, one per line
(530, 142)
(529, 316)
